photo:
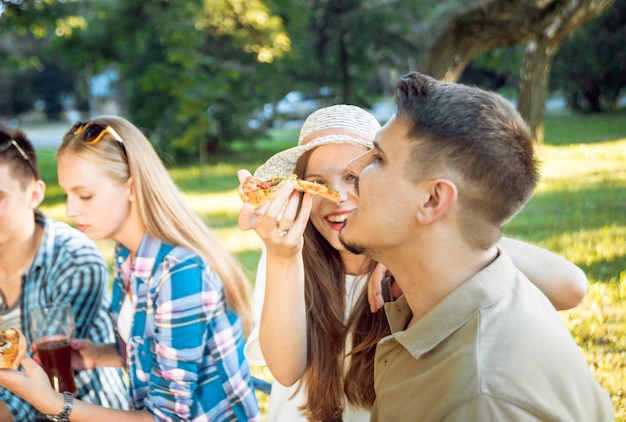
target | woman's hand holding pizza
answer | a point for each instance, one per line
(276, 220)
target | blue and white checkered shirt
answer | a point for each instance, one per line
(185, 351)
(68, 267)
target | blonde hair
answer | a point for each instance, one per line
(162, 208)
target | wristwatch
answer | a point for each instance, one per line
(68, 405)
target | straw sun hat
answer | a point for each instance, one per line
(338, 124)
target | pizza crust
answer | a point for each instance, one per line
(12, 348)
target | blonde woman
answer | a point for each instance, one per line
(179, 298)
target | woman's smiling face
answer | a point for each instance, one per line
(327, 164)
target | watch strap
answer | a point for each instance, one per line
(68, 405)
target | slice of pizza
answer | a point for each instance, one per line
(12, 348)
(257, 192)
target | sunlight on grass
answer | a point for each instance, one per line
(589, 247)
(598, 325)
(56, 211)
(214, 203)
(579, 211)
(237, 241)
(582, 164)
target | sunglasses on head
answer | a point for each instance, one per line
(92, 132)
(6, 142)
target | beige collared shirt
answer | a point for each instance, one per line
(494, 350)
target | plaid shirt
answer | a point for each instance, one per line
(69, 268)
(185, 352)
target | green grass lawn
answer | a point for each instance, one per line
(578, 211)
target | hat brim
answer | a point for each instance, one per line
(283, 164)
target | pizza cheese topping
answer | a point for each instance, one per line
(257, 192)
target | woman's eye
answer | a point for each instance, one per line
(377, 157)
(350, 177)
(85, 197)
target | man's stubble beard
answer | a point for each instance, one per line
(351, 247)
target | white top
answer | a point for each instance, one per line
(282, 407)
(12, 318)
(125, 318)
(127, 311)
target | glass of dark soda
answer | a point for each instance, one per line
(52, 327)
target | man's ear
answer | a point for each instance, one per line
(441, 195)
(37, 193)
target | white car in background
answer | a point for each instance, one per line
(297, 106)
(293, 108)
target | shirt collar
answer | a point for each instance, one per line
(480, 291)
(143, 263)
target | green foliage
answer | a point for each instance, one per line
(30, 64)
(36, 17)
(590, 67)
(192, 70)
(345, 38)
(33, 72)
(15, 85)
(496, 70)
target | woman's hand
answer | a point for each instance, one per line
(282, 327)
(375, 287)
(84, 354)
(381, 279)
(278, 223)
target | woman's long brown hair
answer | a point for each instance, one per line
(325, 380)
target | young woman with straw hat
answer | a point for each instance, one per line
(314, 328)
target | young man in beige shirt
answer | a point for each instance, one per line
(472, 339)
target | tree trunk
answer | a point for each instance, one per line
(345, 73)
(533, 84)
(498, 23)
(489, 24)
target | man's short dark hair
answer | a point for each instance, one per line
(22, 169)
(475, 138)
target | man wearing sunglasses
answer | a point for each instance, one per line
(42, 261)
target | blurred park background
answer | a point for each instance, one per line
(218, 85)
(197, 75)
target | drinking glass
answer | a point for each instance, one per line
(52, 327)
